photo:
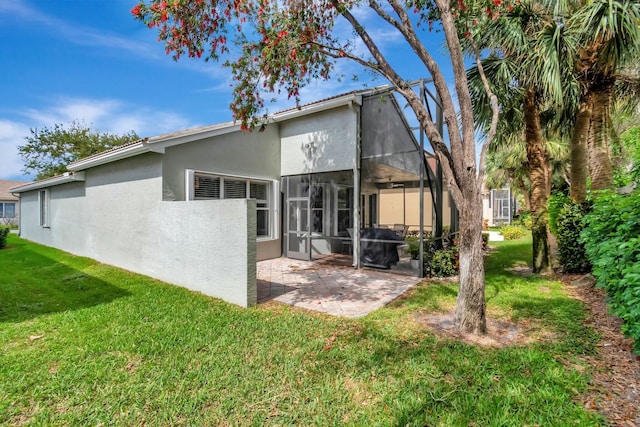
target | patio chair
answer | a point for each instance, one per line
(401, 230)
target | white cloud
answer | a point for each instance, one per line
(108, 115)
(11, 135)
(105, 115)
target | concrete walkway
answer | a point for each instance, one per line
(333, 289)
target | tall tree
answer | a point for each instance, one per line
(506, 164)
(286, 44)
(48, 151)
(609, 40)
(529, 76)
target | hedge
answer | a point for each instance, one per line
(612, 243)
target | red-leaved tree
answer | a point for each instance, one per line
(273, 45)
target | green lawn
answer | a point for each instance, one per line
(82, 343)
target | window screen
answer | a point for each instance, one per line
(235, 189)
(209, 186)
(206, 187)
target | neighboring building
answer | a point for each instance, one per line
(199, 207)
(498, 206)
(9, 206)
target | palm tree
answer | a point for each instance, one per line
(609, 39)
(506, 164)
(529, 73)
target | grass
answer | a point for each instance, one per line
(82, 343)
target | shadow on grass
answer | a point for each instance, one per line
(509, 254)
(33, 284)
(446, 382)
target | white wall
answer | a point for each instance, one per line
(117, 217)
(487, 212)
(323, 142)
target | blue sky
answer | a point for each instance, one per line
(89, 60)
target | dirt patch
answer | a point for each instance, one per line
(500, 332)
(615, 380)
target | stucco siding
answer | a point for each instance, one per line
(250, 154)
(402, 206)
(247, 154)
(117, 217)
(323, 142)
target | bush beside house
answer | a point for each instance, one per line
(4, 232)
(570, 224)
(612, 244)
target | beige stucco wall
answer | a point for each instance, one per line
(402, 206)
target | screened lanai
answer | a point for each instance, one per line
(385, 197)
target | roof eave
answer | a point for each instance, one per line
(49, 182)
(159, 143)
(110, 156)
(346, 100)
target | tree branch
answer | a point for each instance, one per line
(495, 110)
(439, 81)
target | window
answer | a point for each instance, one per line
(204, 186)
(260, 192)
(44, 202)
(344, 202)
(7, 210)
(317, 208)
(501, 205)
(373, 210)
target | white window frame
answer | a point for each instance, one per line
(272, 200)
(3, 210)
(44, 204)
(324, 209)
(337, 188)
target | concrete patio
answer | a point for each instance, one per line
(338, 290)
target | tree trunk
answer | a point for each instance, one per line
(526, 195)
(598, 141)
(538, 160)
(470, 313)
(579, 171)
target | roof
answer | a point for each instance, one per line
(49, 182)
(5, 189)
(158, 143)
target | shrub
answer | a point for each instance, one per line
(569, 225)
(413, 243)
(555, 203)
(414, 246)
(525, 220)
(485, 241)
(512, 232)
(4, 232)
(612, 243)
(443, 263)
